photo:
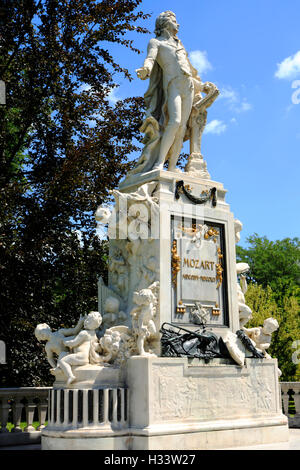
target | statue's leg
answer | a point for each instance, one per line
(65, 364)
(186, 108)
(169, 133)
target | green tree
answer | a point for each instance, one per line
(63, 146)
(273, 263)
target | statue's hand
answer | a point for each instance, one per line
(142, 73)
(82, 318)
(207, 87)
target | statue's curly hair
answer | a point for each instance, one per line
(161, 21)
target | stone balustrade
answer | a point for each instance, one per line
(74, 409)
(22, 404)
(290, 392)
(84, 408)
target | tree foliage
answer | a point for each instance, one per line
(63, 147)
(273, 263)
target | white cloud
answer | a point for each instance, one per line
(289, 68)
(84, 87)
(112, 96)
(244, 106)
(234, 101)
(215, 127)
(200, 61)
(229, 94)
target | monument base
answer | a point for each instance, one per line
(172, 403)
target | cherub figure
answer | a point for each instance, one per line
(143, 317)
(262, 335)
(85, 346)
(55, 346)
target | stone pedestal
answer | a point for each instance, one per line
(197, 167)
(189, 404)
(175, 232)
(172, 403)
(206, 258)
(90, 414)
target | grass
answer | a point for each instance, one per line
(23, 425)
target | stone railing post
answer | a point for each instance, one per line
(293, 389)
(4, 412)
(30, 409)
(296, 389)
(12, 403)
(42, 413)
(285, 397)
(17, 408)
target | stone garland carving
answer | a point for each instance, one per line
(202, 199)
(118, 345)
(199, 232)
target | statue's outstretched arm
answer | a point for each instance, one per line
(75, 330)
(145, 71)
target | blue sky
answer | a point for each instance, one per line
(248, 48)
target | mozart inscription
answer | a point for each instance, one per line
(200, 277)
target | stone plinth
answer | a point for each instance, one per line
(92, 413)
(206, 258)
(91, 376)
(187, 404)
(172, 403)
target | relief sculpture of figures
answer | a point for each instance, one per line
(173, 99)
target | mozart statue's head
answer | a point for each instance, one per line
(166, 21)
